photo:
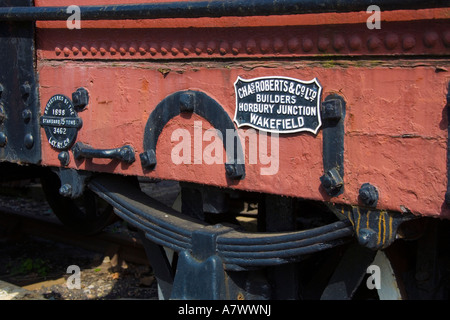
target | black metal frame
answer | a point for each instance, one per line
(19, 100)
(210, 9)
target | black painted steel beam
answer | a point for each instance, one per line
(212, 8)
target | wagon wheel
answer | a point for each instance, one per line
(86, 215)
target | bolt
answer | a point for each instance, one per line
(234, 171)
(25, 90)
(368, 195)
(64, 158)
(3, 139)
(368, 238)
(28, 141)
(127, 154)
(187, 102)
(80, 98)
(332, 181)
(26, 115)
(65, 190)
(332, 109)
(148, 159)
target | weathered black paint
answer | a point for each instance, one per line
(333, 114)
(19, 101)
(124, 154)
(211, 9)
(206, 107)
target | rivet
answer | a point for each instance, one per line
(26, 115)
(264, 45)
(293, 45)
(142, 49)
(307, 44)
(199, 47)
(132, 49)
(84, 50)
(236, 48)
(174, 48)
(431, 38)
(75, 50)
(187, 48)
(338, 42)
(28, 141)
(373, 43)
(66, 51)
(355, 43)
(323, 43)
(391, 41)
(153, 49)
(211, 47)
(58, 51)
(103, 50)
(251, 46)
(122, 50)
(408, 42)
(113, 49)
(224, 47)
(278, 45)
(25, 90)
(93, 50)
(163, 49)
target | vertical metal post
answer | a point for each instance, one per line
(280, 216)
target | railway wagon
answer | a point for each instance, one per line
(306, 142)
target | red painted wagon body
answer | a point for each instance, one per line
(375, 153)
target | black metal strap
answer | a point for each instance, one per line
(199, 9)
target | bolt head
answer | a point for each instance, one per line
(332, 181)
(80, 98)
(368, 194)
(368, 238)
(29, 141)
(65, 190)
(3, 139)
(332, 109)
(187, 102)
(148, 159)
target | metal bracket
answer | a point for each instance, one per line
(201, 104)
(333, 114)
(125, 153)
(73, 182)
(375, 229)
(19, 103)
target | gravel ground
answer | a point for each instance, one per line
(40, 265)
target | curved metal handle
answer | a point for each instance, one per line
(125, 153)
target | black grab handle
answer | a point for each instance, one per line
(125, 153)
